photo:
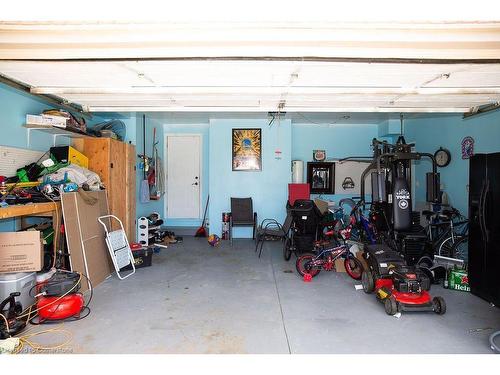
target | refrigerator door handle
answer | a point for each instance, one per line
(484, 210)
(480, 210)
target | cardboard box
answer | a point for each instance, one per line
(339, 265)
(46, 120)
(322, 205)
(21, 252)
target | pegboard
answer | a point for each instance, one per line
(12, 158)
(352, 169)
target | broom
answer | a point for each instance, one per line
(201, 231)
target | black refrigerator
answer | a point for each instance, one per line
(484, 226)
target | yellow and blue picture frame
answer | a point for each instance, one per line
(247, 149)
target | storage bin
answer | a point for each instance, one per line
(142, 258)
(21, 282)
(68, 154)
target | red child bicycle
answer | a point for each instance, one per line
(327, 254)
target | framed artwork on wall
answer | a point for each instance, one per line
(247, 149)
(320, 177)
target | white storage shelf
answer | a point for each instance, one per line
(54, 130)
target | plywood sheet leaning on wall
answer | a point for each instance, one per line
(85, 236)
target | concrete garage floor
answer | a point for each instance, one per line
(199, 299)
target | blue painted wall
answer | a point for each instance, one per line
(268, 188)
(430, 133)
(14, 105)
(203, 131)
(339, 141)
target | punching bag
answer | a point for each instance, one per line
(401, 206)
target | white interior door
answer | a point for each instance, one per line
(183, 176)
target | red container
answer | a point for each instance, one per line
(298, 191)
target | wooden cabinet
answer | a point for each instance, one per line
(114, 162)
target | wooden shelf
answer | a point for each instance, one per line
(30, 209)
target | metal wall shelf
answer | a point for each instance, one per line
(54, 130)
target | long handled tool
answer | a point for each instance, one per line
(201, 231)
(144, 193)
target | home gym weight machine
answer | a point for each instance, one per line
(391, 208)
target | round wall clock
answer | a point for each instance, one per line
(319, 155)
(443, 157)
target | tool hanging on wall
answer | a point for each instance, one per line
(144, 193)
(152, 170)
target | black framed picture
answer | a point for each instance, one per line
(321, 177)
(247, 149)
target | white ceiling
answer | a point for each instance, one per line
(177, 68)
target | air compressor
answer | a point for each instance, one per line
(58, 298)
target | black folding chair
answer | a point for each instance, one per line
(242, 215)
(270, 229)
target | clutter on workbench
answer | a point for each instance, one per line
(42, 181)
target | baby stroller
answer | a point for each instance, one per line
(305, 228)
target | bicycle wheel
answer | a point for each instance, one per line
(303, 265)
(353, 267)
(460, 249)
(444, 249)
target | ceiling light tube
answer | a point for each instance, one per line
(273, 108)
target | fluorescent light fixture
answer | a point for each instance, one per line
(268, 109)
(267, 90)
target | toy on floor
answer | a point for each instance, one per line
(213, 240)
(327, 254)
(398, 286)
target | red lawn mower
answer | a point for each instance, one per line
(398, 286)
